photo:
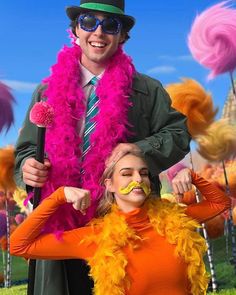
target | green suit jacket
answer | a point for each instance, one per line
(158, 130)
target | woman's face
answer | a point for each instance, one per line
(130, 182)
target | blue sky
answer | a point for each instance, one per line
(32, 32)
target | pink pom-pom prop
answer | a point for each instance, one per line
(212, 40)
(42, 114)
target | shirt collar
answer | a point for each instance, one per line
(86, 76)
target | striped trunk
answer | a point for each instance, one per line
(7, 271)
(209, 251)
(231, 226)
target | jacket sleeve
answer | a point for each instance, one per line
(27, 240)
(160, 130)
(215, 201)
(27, 140)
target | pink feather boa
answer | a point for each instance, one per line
(63, 145)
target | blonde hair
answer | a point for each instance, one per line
(107, 200)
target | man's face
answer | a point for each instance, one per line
(97, 47)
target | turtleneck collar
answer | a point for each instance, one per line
(137, 218)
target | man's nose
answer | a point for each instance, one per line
(99, 30)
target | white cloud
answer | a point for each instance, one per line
(20, 86)
(162, 70)
(177, 58)
(185, 57)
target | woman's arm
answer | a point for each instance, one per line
(27, 241)
(215, 201)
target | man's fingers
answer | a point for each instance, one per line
(116, 156)
(33, 183)
(111, 159)
(35, 173)
(47, 163)
(119, 151)
(32, 163)
(36, 178)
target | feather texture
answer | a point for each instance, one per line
(219, 142)
(7, 162)
(108, 265)
(63, 144)
(170, 221)
(191, 99)
(212, 39)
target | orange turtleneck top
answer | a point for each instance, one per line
(153, 268)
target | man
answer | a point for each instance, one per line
(130, 111)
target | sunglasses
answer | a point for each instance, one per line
(90, 23)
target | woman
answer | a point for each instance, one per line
(140, 245)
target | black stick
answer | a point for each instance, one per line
(232, 83)
(37, 193)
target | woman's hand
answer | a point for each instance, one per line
(80, 198)
(182, 182)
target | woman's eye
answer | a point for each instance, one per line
(144, 174)
(126, 174)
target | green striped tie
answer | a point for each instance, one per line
(92, 110)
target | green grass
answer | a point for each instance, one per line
(223, 292)
(19, 268)
(225, 273)
(16, 290)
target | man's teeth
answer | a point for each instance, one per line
(98, 44)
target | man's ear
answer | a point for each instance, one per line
(108, 185)
(77, 32)
(122, 38)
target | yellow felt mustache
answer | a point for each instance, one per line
(126, 190)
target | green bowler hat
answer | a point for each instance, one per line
(115, 7)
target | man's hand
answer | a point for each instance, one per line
(80, 198)
(120, 150)
(35, 173)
